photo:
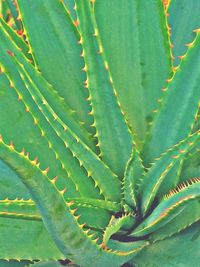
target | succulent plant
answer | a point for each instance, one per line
(99, 133)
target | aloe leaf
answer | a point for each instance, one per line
(101, 174)
(17, 40)
(176, 114)
(157, 174)
(46, 264)
(19, 209)
(98, 203)
(171, 250)
(57, 53)
(171, 179)
(125, 27)
(11, 185)
(171, 206)
(67, 163)
(26, 209)
(4, 9)
(26, 239)
(13, 263)
(196, 126)
(55, 132)
(59, 218)
(113, 135)
(70, 4)
(15, 15)
(191, 166)
(189, 215)
(116, 224)
(132, 178)
(24, 125)
(49, 92)
(183, 18)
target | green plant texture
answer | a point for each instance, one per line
(99, 133)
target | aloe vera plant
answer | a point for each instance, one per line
(99, 133)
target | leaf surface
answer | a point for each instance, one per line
(184, 17)
(175, 118)
(134, 36)
(113, 135)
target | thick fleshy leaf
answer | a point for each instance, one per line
(88, 209)
(180, 250)
(132, 179)
(114, 137)
(70, 4)
(134, 36)
(189, 215)
(175, 117)
(191, 166)
(159, 172)
(14, 14)
(46, 264)
(116, 224)
(54, 42)
(99, 172)
(171, 206)
(23, 122)
(61, 155)
(183, 19)
(60, 219)
(10, 184)
(26, 239)
(19, 41)
(13, 263)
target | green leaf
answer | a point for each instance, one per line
(134, 50)
(19, 209)
(26, 239)
(13, 263)
(14, 13)
(183, 19)
(4, 9)
(11, 185)
(181, 250)
(57, 53)
(46, 264)
(88, 209)
(23, 123)
(132, 178)
(189, 215)
(156, 175)
(176, 114)
(116, 224)
(171, 179)
(171, 206)
(61, 156)
(99, 172)
(17, 40)
(191, 166)
(70, 5)
(49, 92)
(113, 135)
(59, 218)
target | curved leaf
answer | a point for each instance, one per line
(57, 53)
(113, 135)
(59, 218)
(184, 18)
(181, 250)
(175, 117)
(135, 39)
(156, 175)
(172, 205)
